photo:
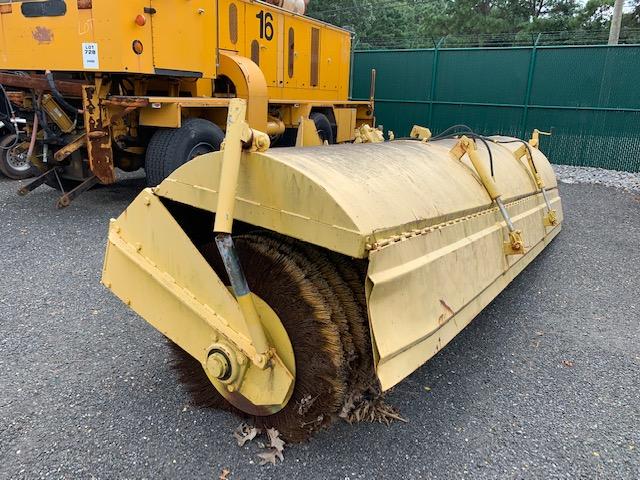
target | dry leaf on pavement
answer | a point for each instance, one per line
(245, 433)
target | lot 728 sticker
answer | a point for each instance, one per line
(90, 56)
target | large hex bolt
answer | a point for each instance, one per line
(218, 366)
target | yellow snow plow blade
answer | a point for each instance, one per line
(439, 235)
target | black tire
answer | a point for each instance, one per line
(170, 148)
(13, 164)
(323, 126)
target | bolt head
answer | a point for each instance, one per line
(217, 365)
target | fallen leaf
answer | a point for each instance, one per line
(274, 440)
(225, 474)
(427, 389)
(270, 456)
(245, 433)
(568, 363)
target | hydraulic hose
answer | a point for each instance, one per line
(34, 134)
(58, 96)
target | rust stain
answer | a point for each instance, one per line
(43, 35)
(447, 314)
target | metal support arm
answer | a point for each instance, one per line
(238, 137)
(515, 245)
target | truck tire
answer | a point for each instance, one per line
(13, 161)
(323, 126)
(170, 148)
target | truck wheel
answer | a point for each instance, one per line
(171, 148)
(13, 159)
(323, 126)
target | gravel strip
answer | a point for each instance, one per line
(629, 182)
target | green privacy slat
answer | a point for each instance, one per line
(405, 76)
(492, 76)
(588, 96)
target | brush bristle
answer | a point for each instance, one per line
(319, 297)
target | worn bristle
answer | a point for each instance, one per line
(337, 294)
(320, 298)
(358, 333)
(352, 272)
(345, 278)
(289, 284)
(301, 303)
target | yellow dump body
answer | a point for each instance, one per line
(302, 59)
(433, 237)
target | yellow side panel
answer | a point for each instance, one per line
(346, 122)
(226, 24)
(184, 36)
(424, 290)
(301, 54)
(345, 67)
(330, 64)
(97, 39)
(270, 27)
(260, 26)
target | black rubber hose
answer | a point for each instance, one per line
(58, 96)
(447, 134)
(526, 144)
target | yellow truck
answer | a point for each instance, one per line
(94, 85)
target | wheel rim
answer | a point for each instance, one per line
(17, 159)
(201, 148)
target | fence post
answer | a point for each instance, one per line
(527, 95)
(434, 78)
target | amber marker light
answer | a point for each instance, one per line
(141, 20)
(138, 47)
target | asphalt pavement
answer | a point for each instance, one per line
(545, 383)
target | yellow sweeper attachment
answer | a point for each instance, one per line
(301, 281)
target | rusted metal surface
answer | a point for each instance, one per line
(65, 200)
(37, 82)
(117, 101)
(17, 98)
(30, 187)
(42, 35)
(85, 4)
(96, 120)
(71, 147)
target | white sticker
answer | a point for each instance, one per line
(90, 56)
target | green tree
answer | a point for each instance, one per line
(416, 23)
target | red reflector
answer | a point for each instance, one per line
(141, 20)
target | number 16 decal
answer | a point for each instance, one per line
(266, 25)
